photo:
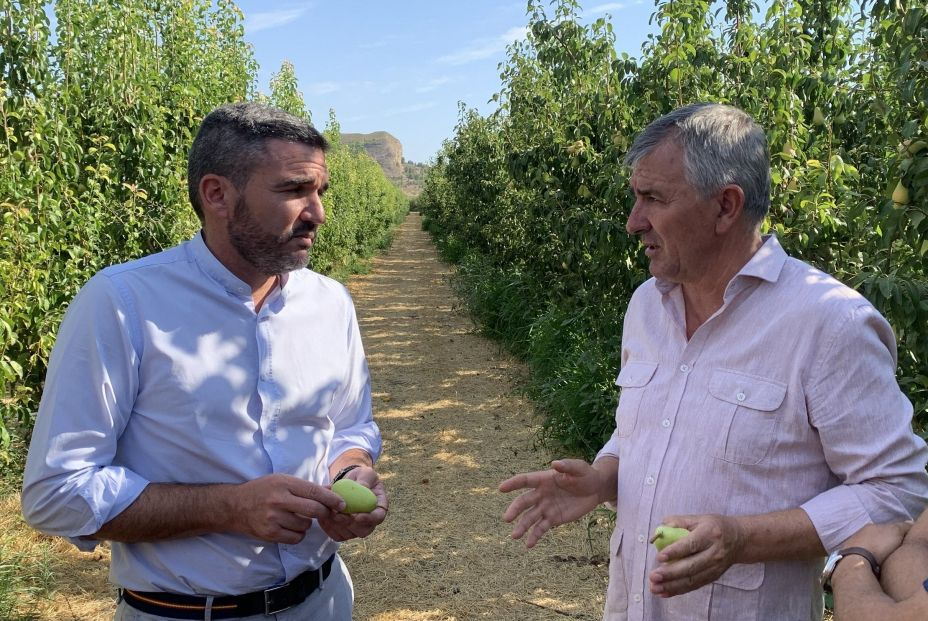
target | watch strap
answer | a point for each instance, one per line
(341, 473)
(866, 554)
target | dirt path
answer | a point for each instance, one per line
(453, 428)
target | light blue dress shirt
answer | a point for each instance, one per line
(163, 372)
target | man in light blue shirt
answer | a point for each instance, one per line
(200, 401)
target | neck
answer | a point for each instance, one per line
(704, 297)
(260, 294)
(261, 284)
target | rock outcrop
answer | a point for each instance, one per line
(383, 147)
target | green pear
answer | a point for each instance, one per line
(666, 535)
(901, 194)
(817, 117)
(358, 499)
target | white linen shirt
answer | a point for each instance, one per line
(786, 397)
(163, 372)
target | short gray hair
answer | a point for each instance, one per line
(232, 138)
(722, 145)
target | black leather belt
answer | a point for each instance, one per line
(266, 602)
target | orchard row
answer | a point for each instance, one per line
(532, 199)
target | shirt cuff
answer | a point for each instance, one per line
(837, 514)
(84, 544)
(110, 492)
(364, 439)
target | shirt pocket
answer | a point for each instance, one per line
(736, 594)
(746, 410)
(632, 380)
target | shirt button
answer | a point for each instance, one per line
(684, 368)
(665, 423)
(740, 396)
(649, 480)
(637, 598)
(642, 538)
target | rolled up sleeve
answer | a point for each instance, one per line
(353, 412)
(865, 425)
(70, 487)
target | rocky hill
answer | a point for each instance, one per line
(388, 152)
(383, 147)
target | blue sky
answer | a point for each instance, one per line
(403, 66)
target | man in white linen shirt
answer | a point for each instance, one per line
(200, 401)
(759, 406)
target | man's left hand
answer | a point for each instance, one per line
(881, 540)
(345, 526)
(699, 558)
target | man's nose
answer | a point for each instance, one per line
(636, 223)
(315, 210)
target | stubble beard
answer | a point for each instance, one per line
(266, 252)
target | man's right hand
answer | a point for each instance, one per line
(570, 489)
(280, 508)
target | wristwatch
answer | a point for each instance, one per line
(835, 557)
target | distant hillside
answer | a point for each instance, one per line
(388, 152)
(383, 147)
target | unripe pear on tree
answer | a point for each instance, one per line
(901, 194)
(817, 117)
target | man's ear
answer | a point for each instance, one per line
(217, 196)
(731, 208)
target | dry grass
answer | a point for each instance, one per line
(52, 580)
(453, 429)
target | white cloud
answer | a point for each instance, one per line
(425, 105)
(272, 19)
(323, 88)
(484, 48)
(431, 85)
(602, 8)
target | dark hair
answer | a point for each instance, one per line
(232, 139)
(721, 145)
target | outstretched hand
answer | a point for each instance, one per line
(567, 491)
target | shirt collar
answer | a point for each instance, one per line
(766, 264)
(215, 269)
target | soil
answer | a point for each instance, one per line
(454, 426)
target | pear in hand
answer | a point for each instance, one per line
(665, 535)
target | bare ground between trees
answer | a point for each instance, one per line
(454, 426)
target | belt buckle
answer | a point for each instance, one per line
(269, 606)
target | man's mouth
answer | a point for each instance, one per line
(304, 232)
